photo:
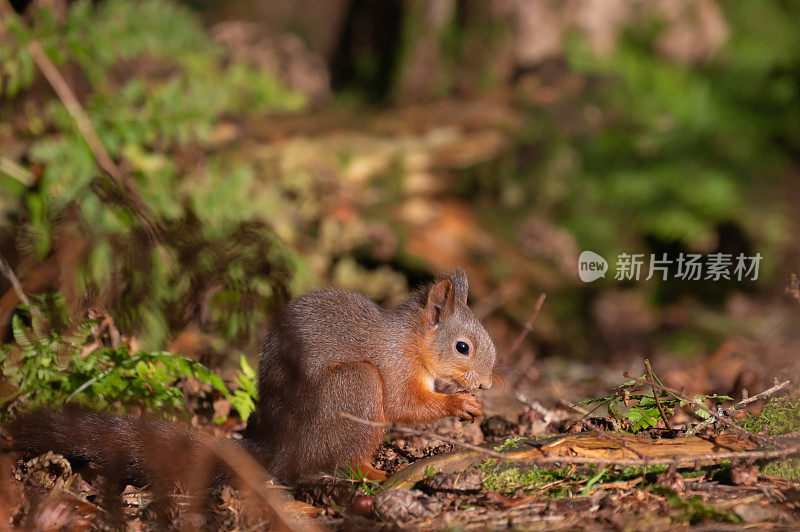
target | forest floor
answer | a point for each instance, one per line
(526, 465)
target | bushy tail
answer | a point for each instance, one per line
(125, 449)
(147, 450)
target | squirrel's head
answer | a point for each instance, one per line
(460, 347)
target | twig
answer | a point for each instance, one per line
(655, 393)
(6, 270)
(20, 173)
(766, 393)
(675, 393)
(579, 409)
(528, 325)
(757, 397)
(549, 416)
(638, 462)
(84, 123)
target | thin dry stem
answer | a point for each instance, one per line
(6, 270)
(528, 325)
(652, 377)
(746, 401)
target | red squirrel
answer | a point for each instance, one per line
(327, 352)
(332, 351)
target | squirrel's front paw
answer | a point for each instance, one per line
(465, 406)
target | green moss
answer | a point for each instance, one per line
(789, 469)
(507, 445)
(506, 479)
(780, 416)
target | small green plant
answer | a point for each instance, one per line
(632, 407)
(354, 473)
(243, 399)
(594, 480)
(429, 471)
(507, 445)
(57, 369)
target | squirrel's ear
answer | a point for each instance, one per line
(460, 283)
(441, 302)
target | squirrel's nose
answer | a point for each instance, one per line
(485, 385)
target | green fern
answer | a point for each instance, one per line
(57, 369)
(243, 399)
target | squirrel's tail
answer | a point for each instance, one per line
(125, 449)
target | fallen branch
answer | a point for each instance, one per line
(622, 443)
(565, 459)
(688, 459)
(744, 402)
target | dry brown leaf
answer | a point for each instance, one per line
(301, 507)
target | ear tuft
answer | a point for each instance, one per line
(440, 302)
(460, 284)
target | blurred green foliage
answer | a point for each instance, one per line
(155, 87)
(656, 148)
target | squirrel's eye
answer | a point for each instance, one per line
(462, 348)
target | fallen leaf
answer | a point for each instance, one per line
(301, 507)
